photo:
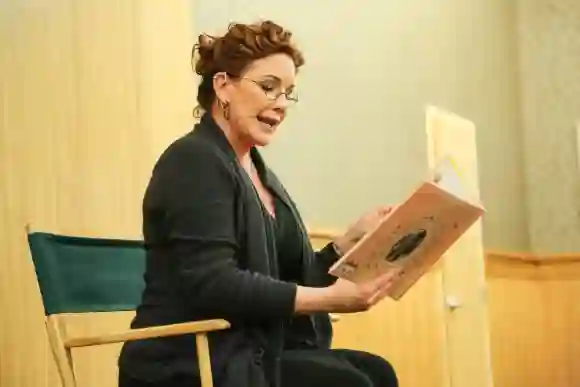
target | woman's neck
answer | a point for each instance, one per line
(241, 148)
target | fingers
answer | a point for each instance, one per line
(384, 279)
(384, 210)
(382, 286)
(379, 296)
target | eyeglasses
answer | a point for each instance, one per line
(273, 91)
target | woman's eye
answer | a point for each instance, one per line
(267, 88)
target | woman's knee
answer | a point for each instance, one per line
(377, 368)
(382, 368)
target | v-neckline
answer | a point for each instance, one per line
(254, 170)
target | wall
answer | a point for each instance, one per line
(90, 93)
(534, 318)
(357, 137)
(549, 46)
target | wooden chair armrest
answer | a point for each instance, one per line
(150, 332)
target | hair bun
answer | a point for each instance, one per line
(206, 40)
(205, 48)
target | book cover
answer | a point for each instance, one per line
(415, 235)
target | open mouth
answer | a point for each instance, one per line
(271, 122)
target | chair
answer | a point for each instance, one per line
(80, 275)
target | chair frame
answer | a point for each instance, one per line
(61, 343)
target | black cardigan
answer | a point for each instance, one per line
(212, 254)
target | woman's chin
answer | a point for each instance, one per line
(263, 136)
(263, 140)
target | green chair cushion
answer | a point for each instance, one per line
(81, 275)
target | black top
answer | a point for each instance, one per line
(288, 243)
(211, 253)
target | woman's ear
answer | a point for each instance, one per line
(221, 86)
(221, 83)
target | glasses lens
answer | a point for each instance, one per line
(292, 97)
(273, 91)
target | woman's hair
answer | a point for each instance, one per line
(235, 51)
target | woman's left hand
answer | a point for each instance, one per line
(358, 230)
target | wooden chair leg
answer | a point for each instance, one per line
(61, 354)
(204, 360)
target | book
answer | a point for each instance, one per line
(415, 234)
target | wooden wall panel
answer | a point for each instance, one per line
(463, 265)
(36, 100)
(92, 91)
(515, 319)
(534, 316)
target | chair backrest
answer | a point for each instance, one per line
(82, 274)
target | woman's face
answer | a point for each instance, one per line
(259, 98)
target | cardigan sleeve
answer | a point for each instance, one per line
(324, 259)
(197, 191)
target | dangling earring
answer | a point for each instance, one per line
(225, 106)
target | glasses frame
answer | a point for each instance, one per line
(286, 94)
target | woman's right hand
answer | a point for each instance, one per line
(348, 297)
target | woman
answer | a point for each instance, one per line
(226, 241)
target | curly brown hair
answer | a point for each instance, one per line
(233, 52)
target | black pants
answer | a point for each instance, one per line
(336, 368)
(315, 368)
